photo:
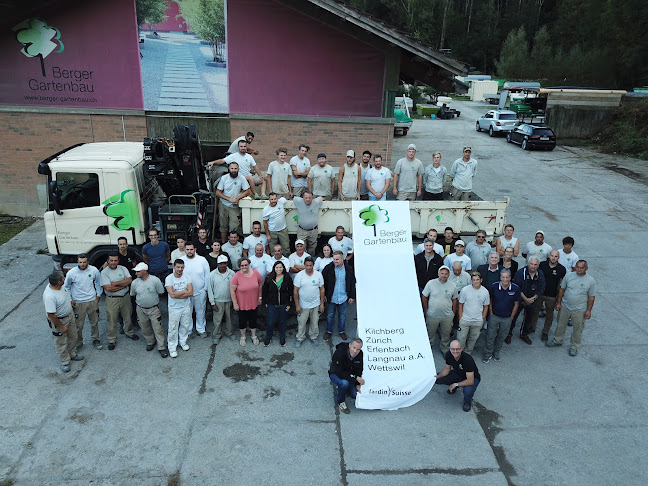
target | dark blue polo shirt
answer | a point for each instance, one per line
(503, 299)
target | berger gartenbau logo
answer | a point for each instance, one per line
(373, 215)
(38, 39)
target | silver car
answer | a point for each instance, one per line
(495, 121)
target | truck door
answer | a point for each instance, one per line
(122, 205)
(82, 224)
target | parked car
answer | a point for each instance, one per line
(533, 136)
(496, 121)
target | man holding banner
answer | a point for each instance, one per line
(460, 371)
(346, 372)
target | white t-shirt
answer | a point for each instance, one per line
(461, 281)
(232, 187)
(302, 165)
(272, 260)
(233, 148)
(504, 243)
(321, 180)
(57, 301)
(440, 298)
(408, 172)
(275, 216)
(245, 162)
(540, 252)
(295, 259)
(473, 301)
(309, 285)
(251, 241)
(567, 260)
(466, 264)
(343, 245)
(260, 264)
(377, 178)
(437, 249)
(321, 262)
(235, 253)
(178, 284)
(177, 255)
(280, 174)
(197, 269)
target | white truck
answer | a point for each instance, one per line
(101, 191)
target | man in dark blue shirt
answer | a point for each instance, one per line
(532, 285)
(504, 303)
(156, 255)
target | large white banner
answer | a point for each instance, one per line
(398, 363)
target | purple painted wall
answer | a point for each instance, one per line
(92, 62)
(285, 63)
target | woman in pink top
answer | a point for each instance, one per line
(245, 287)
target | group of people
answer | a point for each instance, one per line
(368, 179)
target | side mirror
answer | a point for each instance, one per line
(55, 197)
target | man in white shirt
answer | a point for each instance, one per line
(147, 289)
(231, 188)
(246, 165)
(321, 181)
(377, 180)
(84, 284)
(254, 239)
(249, 138)
(537, 248)
(259, 260)
(340, 242)
(300, 166)
(274, 222)
(431, 234)
(279, 172)
(439, 299)
(180, 290)
(277, 255)
(218, 290)
(462, 172)
(309, 302)
(197, 269)
(459, 256)
(408, 176)
(473, 309)
(566, 256)
(297, 258)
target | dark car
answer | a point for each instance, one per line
(533, 136)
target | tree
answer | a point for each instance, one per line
(540, 54)
(374, 215)
(150, 11)
(514, 55)
(207, 19)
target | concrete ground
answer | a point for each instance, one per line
(257, 415)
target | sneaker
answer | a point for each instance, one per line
(111, 346)
(343, 408)
(327, 336)
(97, 344)
(496, 357)
(573, 351)
(65, 368)
(215, 340)
(77, 357)
(467, 406)
(173, 354)
(185, 347)
(544, 337)
(486, 359)
(298, 344)
(164, 353)
(315, 342)
(202, 334)
(552, 343)
(267, 343)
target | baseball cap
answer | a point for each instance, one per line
(321, 155)
(540, 231)
(140, 266)
(222, 259)
(299, 242)
(445, 267)
(350, 153)
(411, 146)
(460, 242)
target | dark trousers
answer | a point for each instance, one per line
(525, 327)
(453, 377)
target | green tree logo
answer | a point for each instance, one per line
(374, 215)
(124, 209)
(38, 39)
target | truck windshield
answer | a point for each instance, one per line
(78, 190)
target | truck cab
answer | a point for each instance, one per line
(95, 196)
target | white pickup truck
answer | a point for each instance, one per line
(99, 192)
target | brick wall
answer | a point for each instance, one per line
(333, 137)
(31, 136)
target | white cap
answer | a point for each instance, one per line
(460, 242)
(350, 153)
(140, 266)
(411, 146)
(299, 242)
(444, 267)
(540, 231)
(222, 259)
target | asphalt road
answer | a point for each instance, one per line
(255, 415)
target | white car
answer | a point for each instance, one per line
(496, 121)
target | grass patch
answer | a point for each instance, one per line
(10, 226)
(459, 97)
(628, 132)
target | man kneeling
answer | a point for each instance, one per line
(460, 371)
(346, 371)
